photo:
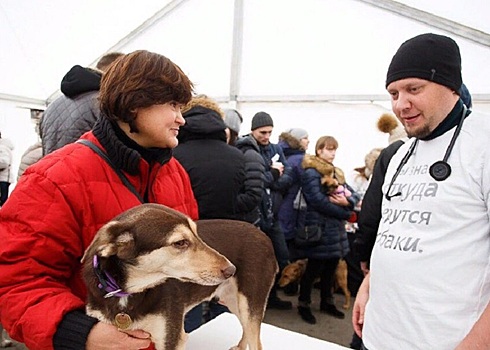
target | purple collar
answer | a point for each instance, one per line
(106, 282)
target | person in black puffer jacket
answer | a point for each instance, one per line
(216, 171)
(254, 178)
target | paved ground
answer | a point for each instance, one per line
(327, 327)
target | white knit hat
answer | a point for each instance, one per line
(388, 123)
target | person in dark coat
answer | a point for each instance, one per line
(76, 111)
(253, 188)
(294, 143)
(277, 180)
(216, 171)
(328, 211)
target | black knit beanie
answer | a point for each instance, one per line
(428, 56)
(261, 119)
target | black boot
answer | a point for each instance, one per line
(291, 288)
(332, 310)
(275, 303)
(306, 315)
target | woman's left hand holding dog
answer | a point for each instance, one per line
(104, 336)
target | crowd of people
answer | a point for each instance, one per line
(416, 224)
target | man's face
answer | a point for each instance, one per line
(420, 105)
(262, 135)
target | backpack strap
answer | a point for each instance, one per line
(118, 171)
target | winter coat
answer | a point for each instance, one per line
(73, 113)
(30, 156)
(288, 217)
(216, 169)
(254, 179)
(275, 185)
(6, 148)
(320, 211)
(57, 206)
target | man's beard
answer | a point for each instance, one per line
(419, 133)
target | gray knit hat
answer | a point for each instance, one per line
(233, 120)
(298, 133)
(261, 119)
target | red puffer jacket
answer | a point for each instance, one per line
(50, 219)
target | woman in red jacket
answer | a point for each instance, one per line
(60, 202)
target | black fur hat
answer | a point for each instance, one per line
(428, 56)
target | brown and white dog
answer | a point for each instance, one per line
(150, 265)
(293, 272)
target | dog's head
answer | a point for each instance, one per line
(147, 244)
(292, 272)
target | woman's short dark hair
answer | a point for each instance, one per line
(138, 80)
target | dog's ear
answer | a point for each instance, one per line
(302, 262)
(114, 238)
(123, 246)
(192, 225)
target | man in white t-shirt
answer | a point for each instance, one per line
(429, 282)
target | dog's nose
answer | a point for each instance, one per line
(229, 271)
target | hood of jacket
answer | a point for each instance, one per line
(79, 80)
(202, 123)
(286, 140)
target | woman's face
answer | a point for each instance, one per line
(304, 142)
(157, 125)
(327, 153)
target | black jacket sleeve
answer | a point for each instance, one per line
(370, 214)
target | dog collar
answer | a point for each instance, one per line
(107, 283)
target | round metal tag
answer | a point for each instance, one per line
(123, 320)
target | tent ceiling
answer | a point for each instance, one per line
(246, 50)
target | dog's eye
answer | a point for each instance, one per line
(184, 243)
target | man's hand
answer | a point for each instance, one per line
(364, 267)
(104, 336)
(279, 166)
(360, 306)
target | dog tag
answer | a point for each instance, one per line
(123, 321)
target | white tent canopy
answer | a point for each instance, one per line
(317, 64)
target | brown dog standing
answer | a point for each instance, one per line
(147, 267)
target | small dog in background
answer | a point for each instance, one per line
(293, 272)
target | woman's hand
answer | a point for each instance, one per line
(105, 336)
(339, 199)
